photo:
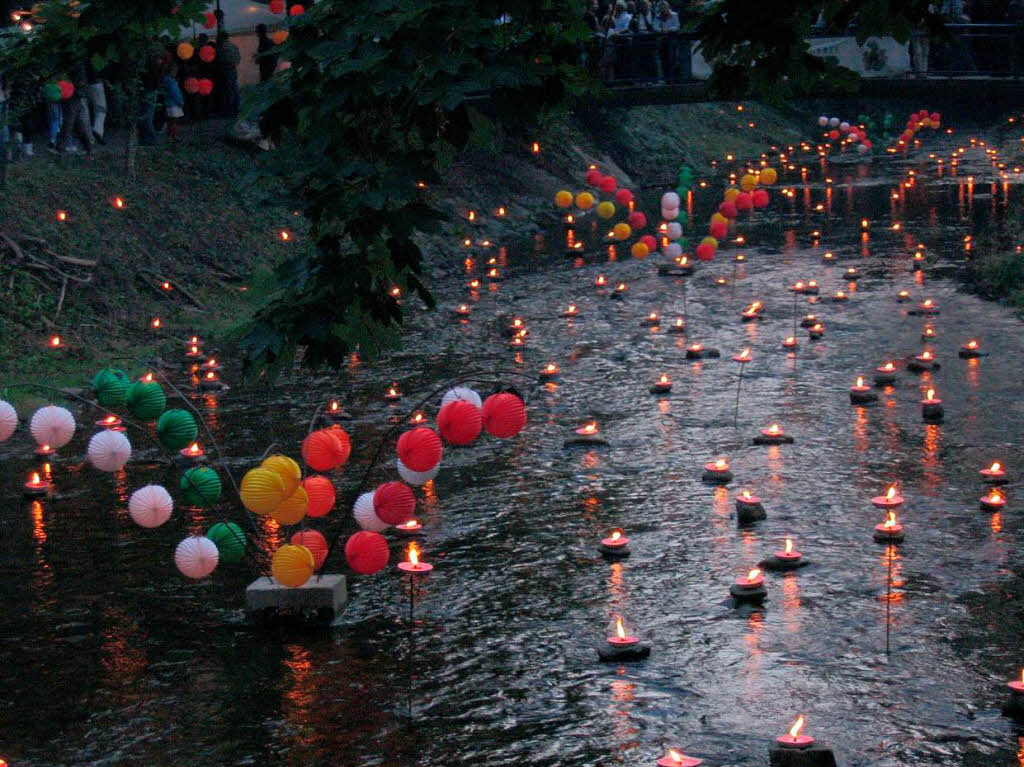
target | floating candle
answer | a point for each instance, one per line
(411, 526)
(743, 357)
(678, 326)
(109, 422)
(789, 342)
(751, 580)
(994, 473)
(601, 281)
(793, 739)
(1017, 685)
(746, 498)
(620, 638)
(753, 311)
(211, 364)
(652, 319)
(45, 450)
(194, 351)
(412, 565)
(62, 215)
(809, 320)
(549, 372)
(928, 306)
(417, 418)
(473, 284)
(840, 295)
(192, 451)
(36, 485)
(156, 323)
(462, 310)
(393, 394)
(890, 500)
(828, 256)
(662, 385)
(816, 331)
(903, 295)
(589, 429)
(615, 539)
(620, 288)
(571, 311)
(788, 553)
(928, 334)
(55, 342)
(493, 274)
(774, 430)
(851, 273)
(890, 530)
(675, 758)
(971, 349)
(993, 501)
(860, 393)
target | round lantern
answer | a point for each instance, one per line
(109, 450)
(289, 471)
(365, 515)
(110, 386)
(747, 182)
(322, 451)
(461, 392)
(623, 197)
(176, 429)
(67, 89)
(670, 214)
(862, 149)
(584, 201)
(341, 438)
(608, 184)
(460, 422)
(150, 506)
(191, 85)
(705, 252)
(296, 10)
(320, 492)
(146, 400)
(649, 241)
(605, 209)
(832, 134)
(196, 556)
(844, 127)
(186, 51)
(315, 542)
(394, 503)
(277, 7)
(207, 53)
(8, 420)
(639, 250)
(673, 250)
(727, 209)
(730, 194)
(229, 540)
(52, 425)
(674, 230)
(621, 231)
(716, 216)
(279, 36)
(293, 508)
(51, 92)
(563, 199)
(833, 122)
(205, 87)
(637, 219)
(769, 176)
(718, 230)
(292, 565)
(936, 119)
(366, 552)
(823, 121)
(420, 448)
(760, 198)
(209, 20)
(670, 200)
(593, 177)
(744, 201)
(262, 490)
(504, 415)
(711, 242)
(416, 478)
(200, 486)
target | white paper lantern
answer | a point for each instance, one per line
(670, 200)
(150, 506)
(461, 392)
(53, 426)
(834, 122)
(365, 515)
(416, 478)
(862, 149)
(674, 230)
(854, 136)
(823, 121)
(673, 250)
(109, 450)
(670, 214)
(8, 420)
(844, 127)
(196, 556)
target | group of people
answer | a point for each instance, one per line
(636, 40)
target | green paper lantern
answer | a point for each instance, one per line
(111, 386)
(176, 429)
(229, 540)
(146, 400)
(200, 486)
(51, 92)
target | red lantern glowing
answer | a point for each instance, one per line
(593, 177)
(727, 209)
(743, 201)
(67, 90)
(207, 53)
(296, 10)
(705, 252)
(637, 220)
(315, 542)
(325, 449)
(623, 197)
(191, 85)
(504, 415)
(366, 552)
(719, 230)
(394, 503)
(761, 198)
(460, 422)
(205, 86)
(320, 492)
(277, 7)
(420, 449)
(608, 184)
(209, 20)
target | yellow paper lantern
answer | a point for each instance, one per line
(710, 241)
(621, 231)
(262, 490)
(606, 209)
(718, 218)
(639, 250)
(769, 176)
(279, 36)
(185, 51)
(926, 123)
(748, 182)
(730, 194)
(563, 199)
(584, 201)
(293, 508)
(292, 565)
(287, 469)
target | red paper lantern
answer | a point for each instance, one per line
(623, 197)
(366, 552)
(650, 242)
(834, 135)
(316, 543)
(460, 422)
(67, 90)
(277, 6)
(344, 443)
(296, 10)
(922, 114)
(608, 184)
(719, 230)
(209, 20)
(504, 415)
(637, 220)
(906, 135)
(760, 198)
(866, 142)
(323, 451)
(394, 503)
(743, 201)
(207, 53)
(594, 177)
(420, 448)
(205, 86)
(320, 492)
(191, 85)
(935, 117)
(705, 252)
(727, 209)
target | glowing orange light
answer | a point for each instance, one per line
(535, 148)
(194, 449)
(930, 394)
(721, 464)
(62, 215)
(166, 285)
(551, 367)
(285, 235)
(413, 553)
(34, 479)
(994, 496)
(753, 574)
(774, 429)
(155, 323)
(890, 493)
(794, 731)
(620, 630)
(860, 382)
(616, 534)
(118, 202)
(972, 344)
(996, 466)
(789, 546)
(55, 342)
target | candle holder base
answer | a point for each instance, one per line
(932, 413)
(614, 552)
(187, 462)
(591, 440)
(991, 507)
(930, 312)
(749, 513)
(318, 602)
(812, 756)
(1014, 707)
(616, 296)
(35, 492)
(863, 397)
(716, 477)
(607, 653)
(756, 594)
(205, 385)
(806, 323)
(918, 366)
(336, 417)
(674, 270)
(970, 354)
(780, 565)
(549, 377)
(703, 354)
(680, 329)
(883, 537)
(777, 439)
(751, 317)
(885, 379)
(815, 335)
(660, 390)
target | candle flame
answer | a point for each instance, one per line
(193, 349)
(679, 322)
(211, 376)
(890, 493)
(890, 520)
(463, 308)
(616, 534)
(334, 406)
(994, 496)
(413, 553)
(652, 316)
(591, 427)
(789, 545)
(721, 464)
(572, 309)
(930, 394)
(118, 203)
(45, 449)
(155, 323)
(551, 367)
(620, 630)
(193, 449)
(35, 478)
(926, 355)
(411, 524)
(774, 428)
(995, 466)
(474, 283)
(696, 347)
(392, 391)
(663, 379)
(601, 280)
(972, 344)
(753, 574)
(860, 381)
(798, 725)
(888, 366)
(620, 287)
(674, 755)
(493, 273)
(55, 341)
(148, 378)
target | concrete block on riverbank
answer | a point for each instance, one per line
(319, 602)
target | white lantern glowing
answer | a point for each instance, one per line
(109, 450)
(416, 478)
(823, 121)
(670, 200)
(150, 506)
(673, 250)
(833, 122)
(196, 556)
(670, 214)
(844, 127)
(52, 425)
(461, 392)
(366, 516)
(674, 230)
(8, 420)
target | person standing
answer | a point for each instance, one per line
(174, 102)
(97, 98)
(227, 61)
(265, 57)
(75, 115)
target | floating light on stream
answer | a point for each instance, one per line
(994, 500)
(890, 500)
(793, 739)
(412, 563)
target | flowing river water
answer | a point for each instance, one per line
(110, 657)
